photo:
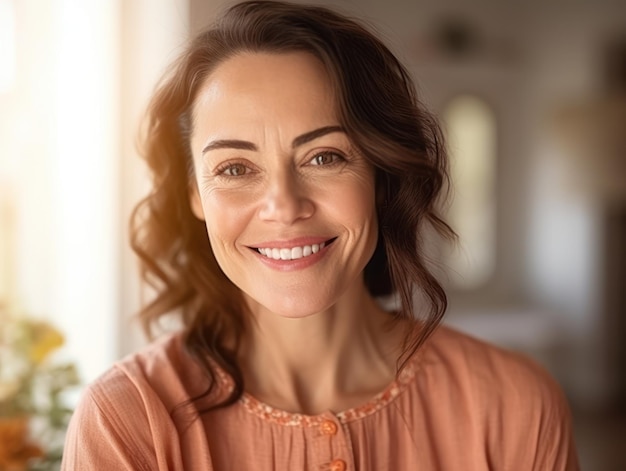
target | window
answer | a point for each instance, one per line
(7, 45)
(471, 131)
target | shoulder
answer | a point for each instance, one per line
(488, 369)
(122, 414)
(110, 427)
(508, 400)
(162, 375)
(152, 373)
(495, 381)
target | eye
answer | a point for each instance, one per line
(233, 170)
(326, 158)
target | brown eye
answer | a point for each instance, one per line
(235, 170)
(325, 158)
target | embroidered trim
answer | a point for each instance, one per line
(289, 419)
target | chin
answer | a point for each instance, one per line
(299, 314)
(292, 308)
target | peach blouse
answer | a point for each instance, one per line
(460, 404)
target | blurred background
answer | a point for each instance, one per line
(532, 95)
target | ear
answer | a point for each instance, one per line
(194, 200)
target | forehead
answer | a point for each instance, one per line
(261, 85)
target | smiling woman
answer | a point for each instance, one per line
(294, 172)
(267, 185)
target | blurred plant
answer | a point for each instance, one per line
(33, 416)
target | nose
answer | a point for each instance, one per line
(286, 199)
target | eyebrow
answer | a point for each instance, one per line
(247, 145)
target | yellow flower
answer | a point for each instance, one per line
(45, 339)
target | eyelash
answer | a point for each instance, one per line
(336, 158)
(224, 170)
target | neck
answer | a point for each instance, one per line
(332, 360)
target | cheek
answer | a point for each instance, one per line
(227, 214)
(357, 202)
(361, 206)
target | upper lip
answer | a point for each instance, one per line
(291, 243)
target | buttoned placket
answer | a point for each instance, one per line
(332, 445)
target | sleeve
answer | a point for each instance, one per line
(555, 448)
(529, 423)
(534, 425)
(109, 429)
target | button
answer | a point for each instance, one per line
(328, 427)
(338, 465)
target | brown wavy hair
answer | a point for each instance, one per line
(379, 109)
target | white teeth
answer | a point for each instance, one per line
(296, 252)
(291, 254)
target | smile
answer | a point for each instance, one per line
(293, 253)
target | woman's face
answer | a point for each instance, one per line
(289, 203)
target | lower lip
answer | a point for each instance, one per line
(293, 265)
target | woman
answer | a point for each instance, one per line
(294, 172)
